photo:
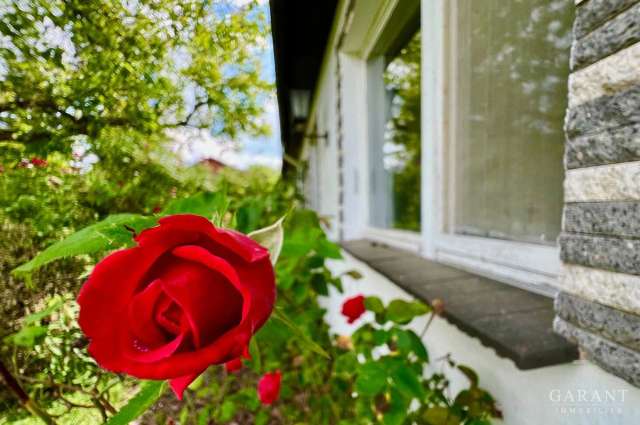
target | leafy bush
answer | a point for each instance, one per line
(377, 375)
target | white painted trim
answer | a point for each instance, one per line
(378, 26)
(401, 239)
(432, 128)
(531, 266)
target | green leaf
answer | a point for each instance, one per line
(254, 352)
(407, 341)
(262, 418)
(109, 233)
(406, 381)
(27, 336)
(371, 379)
(346, 364)
(227, 411)
(398, 409)
(354, 274)
(270, 237)
(37, 316)
(417, 346)
(301, 336)
(184, 415)
(471, 374)
(439, 415)
(374, 304)
(402, 312)
(206, 204)
(380, 336)
(150, 392)
(319, 284)
(328, 249)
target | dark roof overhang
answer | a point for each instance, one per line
(300, 31)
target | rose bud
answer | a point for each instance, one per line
(189, 295)
(344, 342)
(353, 308)
(269, 387)
(438, 306)
(38, 162)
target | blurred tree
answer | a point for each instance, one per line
(106, 80)
(69, 69)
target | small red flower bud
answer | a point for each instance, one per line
(269, 387)
(38, 162)
(353, 308)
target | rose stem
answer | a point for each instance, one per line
(26, 402)
(426, 327)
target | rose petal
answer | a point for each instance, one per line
(210, 303)
(178, 385)
(137, 351)
(228, 241)
(141, 315)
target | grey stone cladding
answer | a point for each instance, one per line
(600, 239)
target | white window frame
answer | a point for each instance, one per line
(397, 238)
(532, 266)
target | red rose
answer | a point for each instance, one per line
(269, 387)
(38, 162)
(353, 308)
(188, 296)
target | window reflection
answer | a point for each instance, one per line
(401, 143)
(510, 65)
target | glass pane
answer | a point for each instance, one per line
(510, 68)
(400, 150)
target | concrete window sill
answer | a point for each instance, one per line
(517, 324)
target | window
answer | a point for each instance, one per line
(496, 105)
(507, 110)
(395, 203)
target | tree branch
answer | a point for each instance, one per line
(20, 393)
(192, 113)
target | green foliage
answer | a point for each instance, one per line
(323, 381)
(402, 312)
(208, 204)
(150, 392)
(299, 335)
(113, 232)
(126, 65)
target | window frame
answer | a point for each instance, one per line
(376, 104)
(532, 266)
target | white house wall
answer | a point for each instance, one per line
(526, 397)
(534, 397)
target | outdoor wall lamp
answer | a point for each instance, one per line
(300, 104)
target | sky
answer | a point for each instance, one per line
(195, 145)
